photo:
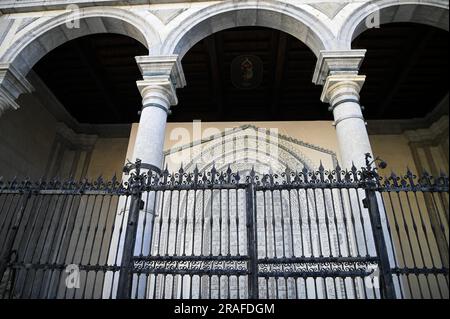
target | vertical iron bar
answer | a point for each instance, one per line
(251, 242)
(126, 274)
(116, 257)
(9, 243)
(124, 288)
(386, 283)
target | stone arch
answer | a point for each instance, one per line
(428, 12)
(271, 14)
(40, 37)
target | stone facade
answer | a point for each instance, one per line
(31, 29)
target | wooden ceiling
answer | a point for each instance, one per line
(94, 77)
(407, 70)
(406, 67)
(285, 93)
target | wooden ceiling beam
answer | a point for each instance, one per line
(404, 66)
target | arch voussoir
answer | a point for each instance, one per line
(44, 35)
(428, 12)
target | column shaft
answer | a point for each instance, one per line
(342, 92)
(351, 134)
(149, 143)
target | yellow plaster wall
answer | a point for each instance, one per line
(108, 157)
(393, 149)
(26, 137)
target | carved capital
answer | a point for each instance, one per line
(342, 87)
(158, 90)
(162, 75)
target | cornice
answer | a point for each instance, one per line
(19, 6)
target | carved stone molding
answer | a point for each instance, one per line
(12, 85)
(337, 62)
(435, 131)
(80, 141)
(162, 75)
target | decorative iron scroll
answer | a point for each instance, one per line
(198, 267)
(317, 269)
(139, 181)
(414, 183)
(68, 186)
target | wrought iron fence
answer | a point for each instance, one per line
(309, 234)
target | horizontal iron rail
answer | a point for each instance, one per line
(67, 192)
(193, 272)
(420, 271)
(306, 260)
(122, 192)
(218, 186)
(311, 185)
(34, 266)
(413, 189)
(181, 187)
(191, 258)
(316, 274)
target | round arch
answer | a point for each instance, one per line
(275, 15)
(429, 12)
(41, 37)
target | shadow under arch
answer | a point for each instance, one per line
(429, 12)
(280, 16)
(40, 37)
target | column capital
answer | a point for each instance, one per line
(162, 75)
(158, 88)
(166, 67)
(337, 62)
(12, 85)
(342, 87)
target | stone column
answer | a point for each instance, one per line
(162, 76)
(342, 92)
(338, 72)
(12, 85)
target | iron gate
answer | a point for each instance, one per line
(308, 234)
